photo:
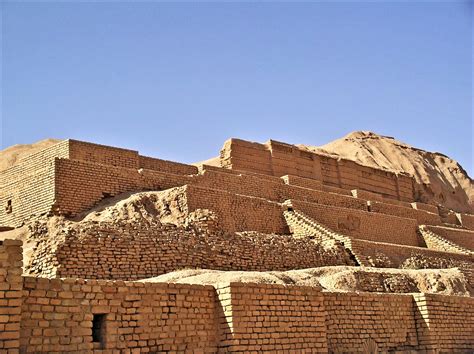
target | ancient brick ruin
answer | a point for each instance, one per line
(258, 207)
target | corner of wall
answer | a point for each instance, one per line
(11, 286)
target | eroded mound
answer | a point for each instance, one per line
(346, 279)
(441, 180)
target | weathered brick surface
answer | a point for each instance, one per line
(279, 159)
(151, 163)
(80, 185)
(237, 212)
(271, 318)
(138, 251)
(468, 221)
(29, 186)
(387, 255)
(445, 323)
(362, 224)
(461, 237)
(54, 179)
(11, 285)
(353, 319)
(57, 316)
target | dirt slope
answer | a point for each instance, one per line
(441, 180)
(11, 155)
(336, 278)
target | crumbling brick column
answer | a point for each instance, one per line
(11, 285)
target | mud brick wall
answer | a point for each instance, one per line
(322, 197)
(244, 184)
(177, 168)
(238, 212)
(421, 216)
(27, 195)
(337, 190)
(29, 186)
(363, 225)
(289, 160)
(371, 196)
(279, 159)
(426, 207)
(461, 237)
(386, 255)
(271, 318)
(353, 319)
(445, 323)
(274, 190)
(309, 183)
(58, 316)
(138, 251)
(329, 171)
(11, 284)
(107, 155)
(119, 157)
(80, 185)
(246, 156)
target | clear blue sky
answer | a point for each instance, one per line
(174, 80)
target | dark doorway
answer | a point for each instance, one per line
(98, 329)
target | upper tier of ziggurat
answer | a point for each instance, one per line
(100, 220)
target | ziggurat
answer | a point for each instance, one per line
(100, 221)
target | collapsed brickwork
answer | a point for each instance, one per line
(98, 212)
(127, 251)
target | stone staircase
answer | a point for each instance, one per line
(302, 225)
(439, 243)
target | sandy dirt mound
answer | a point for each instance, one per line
(441, 180)
(11, 155)
(335, 278)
